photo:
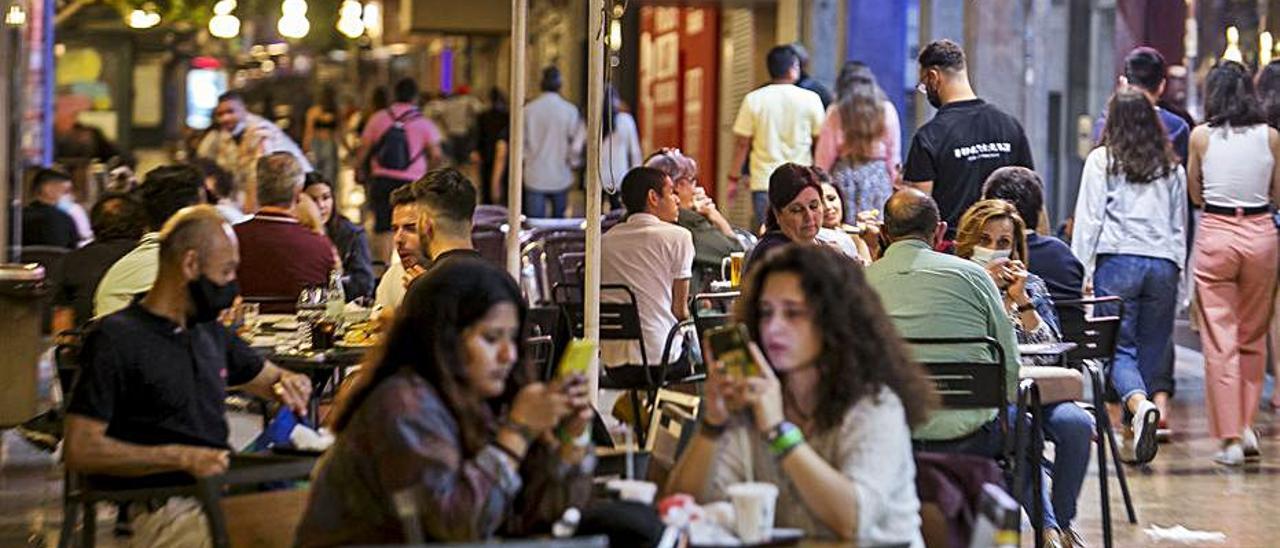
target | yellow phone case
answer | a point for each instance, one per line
(576, 358)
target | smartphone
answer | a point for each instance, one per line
(576, 359)
(729, 342)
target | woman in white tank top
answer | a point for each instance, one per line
(1232, 175)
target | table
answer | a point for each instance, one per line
(1053, 350)
(320, 367)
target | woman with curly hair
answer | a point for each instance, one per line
(834, 373)
(1232, 174)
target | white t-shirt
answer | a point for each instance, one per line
(782, 121)
(840, 240)
(647, 255)
(1237, 166)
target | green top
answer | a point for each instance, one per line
(934, 295)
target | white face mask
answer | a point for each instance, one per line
(984, 255)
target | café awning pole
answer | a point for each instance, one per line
(515, 143)
(595, 92)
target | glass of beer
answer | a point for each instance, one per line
(735, 267)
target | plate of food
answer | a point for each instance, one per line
(359, 335)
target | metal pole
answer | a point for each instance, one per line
(595, 93)
(515, 143)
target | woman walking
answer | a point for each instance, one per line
(1130, 233)
(1233, 176)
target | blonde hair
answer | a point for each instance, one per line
(976, 218)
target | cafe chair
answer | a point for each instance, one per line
(712, 310)
(1096, 337)
(620, 321)
(998, 520)
(489, 216)
(82, 493)
(672, 426)
(964, 385)
(539, 351)
(491, 244)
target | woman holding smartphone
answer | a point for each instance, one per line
(445, 438)
(828, 419)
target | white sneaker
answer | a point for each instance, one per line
(1249, 444)
(1230, 455)
(1145, 424)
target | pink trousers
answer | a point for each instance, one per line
(1235, 281)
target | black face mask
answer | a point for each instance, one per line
(932, 95)
(210, 299)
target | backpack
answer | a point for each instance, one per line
(392, 149)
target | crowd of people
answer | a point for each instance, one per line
(849, 254)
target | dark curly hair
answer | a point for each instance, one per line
(1137, 146)
(1269, 92)
(426, 339)
(861, 349)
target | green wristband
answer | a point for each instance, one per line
(784, 438)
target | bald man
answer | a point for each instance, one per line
(155, 374)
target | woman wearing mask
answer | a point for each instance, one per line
(828, 418)
(447, 429)
(795, 213)
(1130, 233)
(992, 234)
(348, 238)
(1232, 174)
(860, 141)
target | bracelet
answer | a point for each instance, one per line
(784, 438)
(710, 430)
(524, 431)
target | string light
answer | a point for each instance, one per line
(373, 19)
(293, 19)
(1265, 45)
(223, 24)
(144, 17)
(15, 15)
(1232, 52)
(350, 23)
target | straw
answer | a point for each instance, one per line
(631, 452)
(748, 454)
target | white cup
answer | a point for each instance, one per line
(634, 490)
(753, 508)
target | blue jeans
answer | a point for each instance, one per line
(989, 442)
(1070, 428)
(1149, 288)
(535, 203)
(760, 205)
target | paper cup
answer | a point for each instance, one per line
(753, 507)
(642, 492)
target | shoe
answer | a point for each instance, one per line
(1072, 538)
(1231, 455)
(1145, 423)
(1164, 434)
(1053, 539)
(1249, 443)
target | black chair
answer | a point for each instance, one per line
(487, 215)
(1096, 338)
(620, 321)
(998, 520)
(966, 385)
(82, 493)
(491, 244)
(711, 310)
(539, 351)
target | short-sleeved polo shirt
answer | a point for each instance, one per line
(155, 382)
(647, 255)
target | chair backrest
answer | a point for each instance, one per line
(491, 244)
(967, 384)
(1095, 335)
(672, 426)
(558, 246)
(998, 519)
(712, 310)
(571, 266)
(619, 321)
(539, 350)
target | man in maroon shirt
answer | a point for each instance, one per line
(278, 256)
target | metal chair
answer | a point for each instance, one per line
(998, 520)
(1096, 338)
(712, 310)
(82, 493)
(539, 351)
(620, 321)
(982, 385)
(491, 244)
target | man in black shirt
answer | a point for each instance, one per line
(807, 81)
(446, 205)
(42, 222)
(118, 222)
(154, 375)
(952, 155)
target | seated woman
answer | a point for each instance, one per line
(992, 234)
(834, 373)
(834, 231)
(795, 211)
(444, 429)
(347, 237)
